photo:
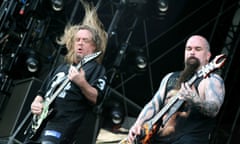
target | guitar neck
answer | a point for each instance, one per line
(172, 102)
(164, 109)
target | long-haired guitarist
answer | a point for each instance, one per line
(86, 85)
(194, 121)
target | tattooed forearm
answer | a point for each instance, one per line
(155, 104)
(151, 108)
(148, 112)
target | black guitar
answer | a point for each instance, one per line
(38, 120)
(150, 127)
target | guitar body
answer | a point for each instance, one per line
(34, 135)
(148, 134)
(38, 124)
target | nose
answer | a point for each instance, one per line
(80, 41)
(192, 51)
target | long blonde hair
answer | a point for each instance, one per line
(90, 22)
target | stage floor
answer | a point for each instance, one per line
(105, 136)
(111, 136)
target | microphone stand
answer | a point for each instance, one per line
(12, 138)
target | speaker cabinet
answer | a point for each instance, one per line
(18, 105)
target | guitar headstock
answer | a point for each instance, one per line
(216, 63)
(90, 57)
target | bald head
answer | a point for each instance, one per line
(198, 40)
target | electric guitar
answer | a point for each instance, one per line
(174, 103)
(37, 120)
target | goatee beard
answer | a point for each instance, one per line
(191, 66)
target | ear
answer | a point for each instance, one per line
(209, 56)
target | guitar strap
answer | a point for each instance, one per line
(173, 80)
(170, 84)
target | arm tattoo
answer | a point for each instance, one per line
(148, 112)
(214, 96)
(151, 108)
(155, 104)
(209, 109)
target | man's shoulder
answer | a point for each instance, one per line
(172, 74)
(216, 76)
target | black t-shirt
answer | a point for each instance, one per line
(71, 105)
